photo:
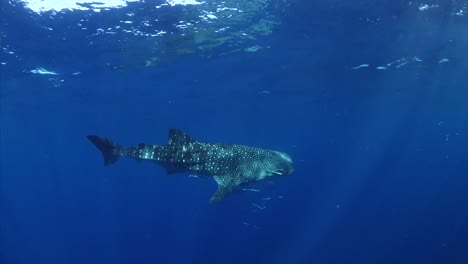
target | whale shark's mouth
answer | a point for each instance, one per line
(276, 172)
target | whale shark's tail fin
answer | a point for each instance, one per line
(109, 149)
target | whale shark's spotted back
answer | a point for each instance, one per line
(231, 165)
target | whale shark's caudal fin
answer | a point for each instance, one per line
(108, 148)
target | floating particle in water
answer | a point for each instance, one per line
(264, 92)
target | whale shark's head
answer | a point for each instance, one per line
(280, 164)
(273, 163)
(268, 163)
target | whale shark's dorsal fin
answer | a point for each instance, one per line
(179, 138)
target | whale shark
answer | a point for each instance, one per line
(230, 165)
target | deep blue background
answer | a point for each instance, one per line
(381, 155)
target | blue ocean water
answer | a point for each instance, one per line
(369, 98)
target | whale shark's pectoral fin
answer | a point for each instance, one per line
(226, 184)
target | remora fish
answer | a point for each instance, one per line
(230, 165)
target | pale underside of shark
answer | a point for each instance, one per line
(229, 164)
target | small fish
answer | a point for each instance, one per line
(250, 190)
(443, 60)
(360, 66)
